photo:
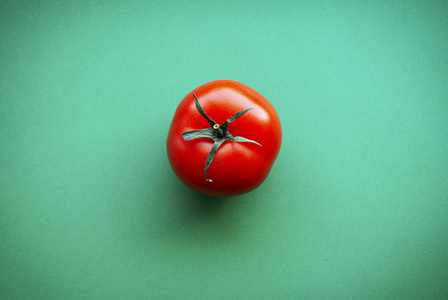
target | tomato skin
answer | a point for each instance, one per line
(238, 167)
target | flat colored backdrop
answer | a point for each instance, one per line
(355, 207)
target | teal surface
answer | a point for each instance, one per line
(355, 207)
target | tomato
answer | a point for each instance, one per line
(224, 139)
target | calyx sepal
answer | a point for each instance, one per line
(218, 133)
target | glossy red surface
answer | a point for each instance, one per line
(237, 167)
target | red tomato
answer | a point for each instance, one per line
(224, 139)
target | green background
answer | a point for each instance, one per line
(356, 205)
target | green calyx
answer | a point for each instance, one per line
(216, 132)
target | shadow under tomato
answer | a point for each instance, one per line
(197, 205)
(205, 217)
(204, 205)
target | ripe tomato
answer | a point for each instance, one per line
(224, 138)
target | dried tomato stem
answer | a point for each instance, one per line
(219, 132)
